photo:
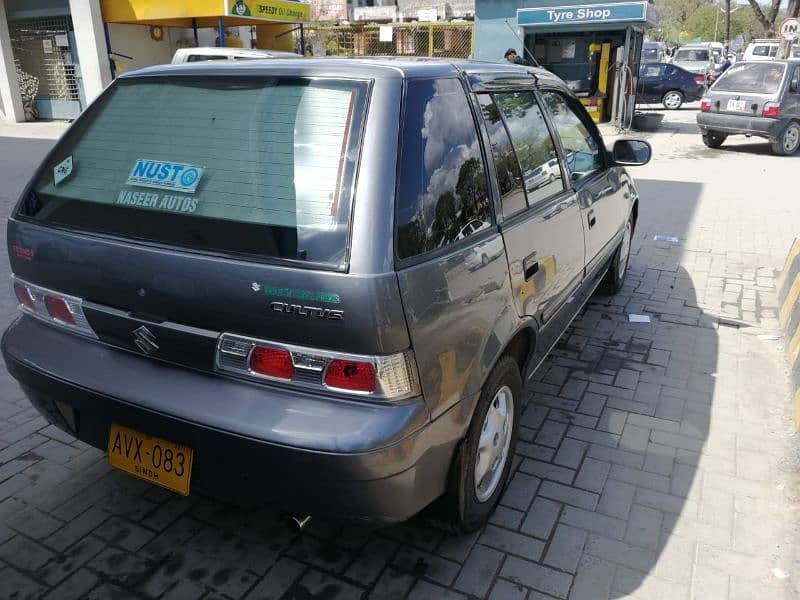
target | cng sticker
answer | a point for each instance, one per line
(179, 177)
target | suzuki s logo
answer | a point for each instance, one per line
(145, 340)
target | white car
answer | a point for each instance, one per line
(761, 50)
(184, 55)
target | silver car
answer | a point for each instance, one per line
(755, 99)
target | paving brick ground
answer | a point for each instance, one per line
(656, 461)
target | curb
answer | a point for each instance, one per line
(788, 286)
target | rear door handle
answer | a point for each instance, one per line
(531, 266)
(591, 218)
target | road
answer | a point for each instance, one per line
(657, 459)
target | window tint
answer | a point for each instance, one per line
(581, 149)
(541, 171)
(692, 55)
(671, 71)
(509, 177)
(442, 192)
(204, 57)
(247, 165)
(755, 77)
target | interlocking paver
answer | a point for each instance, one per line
(649, 455)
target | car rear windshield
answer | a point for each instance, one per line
(689, 55)
(752, 77)
(259, 166)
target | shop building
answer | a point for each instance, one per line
(595, 47)
(56, 56)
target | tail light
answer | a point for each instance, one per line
(771, 109)
(705, 105)
(699, 79)
(52, 307)
(392, 377)
(271, 362)
(351, 375)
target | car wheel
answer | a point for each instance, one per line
(788, 141)
(483, 462)
(714, 139)
(672, 100)
(615, 277)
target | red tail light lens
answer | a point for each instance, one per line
(705, 105)
(58, 309)
(771, 110)
(272, 362)
(24, 297)
(700, 79)
(351, 375)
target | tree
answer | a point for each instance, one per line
(767, 19)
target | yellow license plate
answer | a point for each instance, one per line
(150, 458)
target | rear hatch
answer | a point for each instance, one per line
(200, 205)
(745, 88)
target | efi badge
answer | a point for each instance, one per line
(178, 177)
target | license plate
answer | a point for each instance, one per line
(739, 105)
(155, 460)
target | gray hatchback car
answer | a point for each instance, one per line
(320, 283)
(755, 99)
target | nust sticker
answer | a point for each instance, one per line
(178, 177)
(62, 170)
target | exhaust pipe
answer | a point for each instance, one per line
(298, 523)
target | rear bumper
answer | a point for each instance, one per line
(379, 463)
(740, 124)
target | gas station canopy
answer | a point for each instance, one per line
(204, 13)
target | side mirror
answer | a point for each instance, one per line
(632, 153)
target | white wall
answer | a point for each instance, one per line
(135, 41)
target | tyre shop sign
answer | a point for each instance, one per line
(585, 13)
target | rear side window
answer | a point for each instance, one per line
(541, 171)
(581, 148)
(652, 70)
(260, 166)
(442, 193)
(509, 177)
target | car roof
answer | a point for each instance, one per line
(229, 51)
(357, 68)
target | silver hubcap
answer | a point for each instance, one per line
(791, 139)
(624, 251)
(494, 443)
(672, 100)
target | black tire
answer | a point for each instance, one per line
(714, 139)
(617, 270)
(463, 511)
(672, 100)
(788, 141)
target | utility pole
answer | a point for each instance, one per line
(726, 42)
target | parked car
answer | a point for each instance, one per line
(184, 55)
(288, 315)
(654, 52)
(754, 98)
(761, 50)
(669, 84)
(695, 58)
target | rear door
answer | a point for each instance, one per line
(601, 195)
(541, 218)
(651, 82)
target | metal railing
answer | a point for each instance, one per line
(446, 40)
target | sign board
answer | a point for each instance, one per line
(790, 29)
(385, 33)
(47, 46)
(427, 15)
(269, 10)
(617, 12)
